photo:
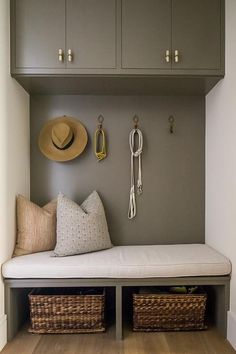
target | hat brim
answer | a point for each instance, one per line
(49, 150)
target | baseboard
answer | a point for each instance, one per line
(3, 331)
(231, 329)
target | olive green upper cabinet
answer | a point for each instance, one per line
(91, 34)
(146, 34)
(37, 42)
(184, 35)
(107, 46)
(48, 35)
(196, 34)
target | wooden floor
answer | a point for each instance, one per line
(206, 342)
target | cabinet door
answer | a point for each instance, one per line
(91, 33)
(146, 33)
(196, 33)
(39, 33)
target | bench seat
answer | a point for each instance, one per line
(156, 261)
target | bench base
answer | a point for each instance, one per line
(17, 289)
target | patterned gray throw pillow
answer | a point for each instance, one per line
(81, 229)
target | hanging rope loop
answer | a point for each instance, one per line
(100, 141)
(135, 154)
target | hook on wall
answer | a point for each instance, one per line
(136, 120)
(171, 122)
(100, 121)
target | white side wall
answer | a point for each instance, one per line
(221, 163)
(14, 151)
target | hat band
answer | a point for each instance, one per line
(67, 145)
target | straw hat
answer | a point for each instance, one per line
(63, 139)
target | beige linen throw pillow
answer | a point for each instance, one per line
(36, 227)
(81, 229)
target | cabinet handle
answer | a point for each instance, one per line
(167, 56)
(176, 56)
(70, 55)
(60, 55)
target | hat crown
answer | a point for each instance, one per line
(62, 135)
(62, 139)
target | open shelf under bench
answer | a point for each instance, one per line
(17, 290)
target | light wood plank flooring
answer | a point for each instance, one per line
(206, 342)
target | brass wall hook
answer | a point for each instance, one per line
(100, 121)
(171, 122)
(136, 120)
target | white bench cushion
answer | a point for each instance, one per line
(123, 262)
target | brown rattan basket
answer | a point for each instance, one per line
(169, 312)
(67, 311)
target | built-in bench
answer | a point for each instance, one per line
(119, 267)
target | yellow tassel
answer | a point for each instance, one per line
(100, 154)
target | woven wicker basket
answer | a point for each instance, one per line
(169, 312)
(67, 311)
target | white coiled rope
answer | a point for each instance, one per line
(132, 199)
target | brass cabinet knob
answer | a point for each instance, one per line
(60, 55)
(69, 55)
(176, 56)
(167, 56)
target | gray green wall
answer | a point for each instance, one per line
(171, 209)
